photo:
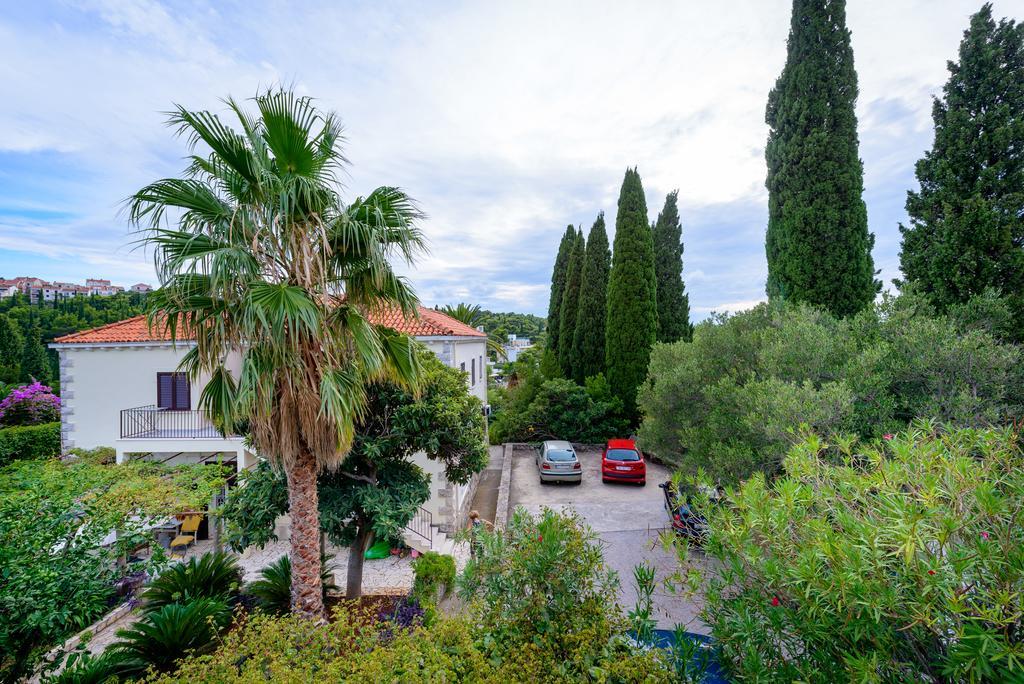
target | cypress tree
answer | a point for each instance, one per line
(588, 339)
(673, 302)
(558, 276)
(10, 342)
(632, 324)
(34, 361)
(570, 307)
(966, 229)
(818, 245)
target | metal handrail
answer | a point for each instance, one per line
(154, 422)
(422, 524)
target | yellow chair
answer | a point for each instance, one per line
(187, 534)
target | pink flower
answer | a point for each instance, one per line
(775, 602)
(540, 537)
(888, 436)
(984, 535)
(931, 572)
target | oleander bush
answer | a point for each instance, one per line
(894, 560)
(731, 400)
(27, 442)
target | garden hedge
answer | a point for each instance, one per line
(29, 441)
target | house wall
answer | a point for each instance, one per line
(98, 381)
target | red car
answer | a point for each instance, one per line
(623, 462)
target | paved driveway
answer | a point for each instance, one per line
(628, 518)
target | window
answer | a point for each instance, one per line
(173, 392)
(472, 372)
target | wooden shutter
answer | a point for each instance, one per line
(173, 392)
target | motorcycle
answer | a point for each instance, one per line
(686, 522)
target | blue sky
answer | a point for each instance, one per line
(506, 121)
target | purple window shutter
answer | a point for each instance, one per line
(164, 390)
(182, 395)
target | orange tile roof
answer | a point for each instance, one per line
(430, 323)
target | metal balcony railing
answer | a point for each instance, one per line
(422, 525)
(152, 422)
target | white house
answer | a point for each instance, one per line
(121, 387)
(514, 345)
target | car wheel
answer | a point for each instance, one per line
(643, 483)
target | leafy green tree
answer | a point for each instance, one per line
(818, 244)
(10, 350)
(728, 401)
(378, 489)
(632, 325)
(35, 363)
(262, 247)
(966, 230)
(588, 338)
(570, 307)
(673, 302)
(561, 409)
(558, 279)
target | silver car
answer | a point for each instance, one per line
(557, 462)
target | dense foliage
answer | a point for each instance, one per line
(19, 320)
(673, 302)
(731, 400)
(632, 324)
(213, 575)
(29, 442)
(500, 325)
(570, 307)
(29, 405)
(560, 409)
(966, 229)
(57, 550)
(433, 577)
(558, 279)
(588, 338)
(892, 560)
(817, 243)
(378, 488)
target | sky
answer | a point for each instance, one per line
(506, 122)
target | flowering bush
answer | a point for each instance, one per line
(897, 560)
(30, 405)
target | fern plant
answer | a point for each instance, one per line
(213, 575)
(273, 590)
(165, 635)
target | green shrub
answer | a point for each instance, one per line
(434, 574)
(85, 668)
(731, 400)
(164, 636)
(214, 575)
(894, 561)
(561, 409)
(29, 442)
(273, 590)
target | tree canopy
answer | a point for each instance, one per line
(588, 338)
(966, 231)
(673, 302)
(570, 307)
(817, 243)
(558, 280)
(632, 324)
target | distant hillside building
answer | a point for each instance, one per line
(141, 287)
(514, 345)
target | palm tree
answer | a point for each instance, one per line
(264, 260)
(473, 316)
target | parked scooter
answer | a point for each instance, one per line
(685, 521)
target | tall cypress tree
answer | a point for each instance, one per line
(966, 229)
(10, 350)
(818, 245)
(673, 302)
(632, 325)
(554, 323)
(570, 307)
(34, 361)
(588, 339)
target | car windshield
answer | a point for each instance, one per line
(561, 455)
(622, 455)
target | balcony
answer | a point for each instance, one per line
(152, 422)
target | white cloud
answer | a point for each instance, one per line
(507, 121)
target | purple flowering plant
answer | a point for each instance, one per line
(30, 405)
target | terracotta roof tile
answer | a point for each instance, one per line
(430, 323)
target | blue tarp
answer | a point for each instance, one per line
(715, 674)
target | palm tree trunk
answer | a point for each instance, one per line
(303, 504)
(354, 579)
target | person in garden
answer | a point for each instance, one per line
(475, 528)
